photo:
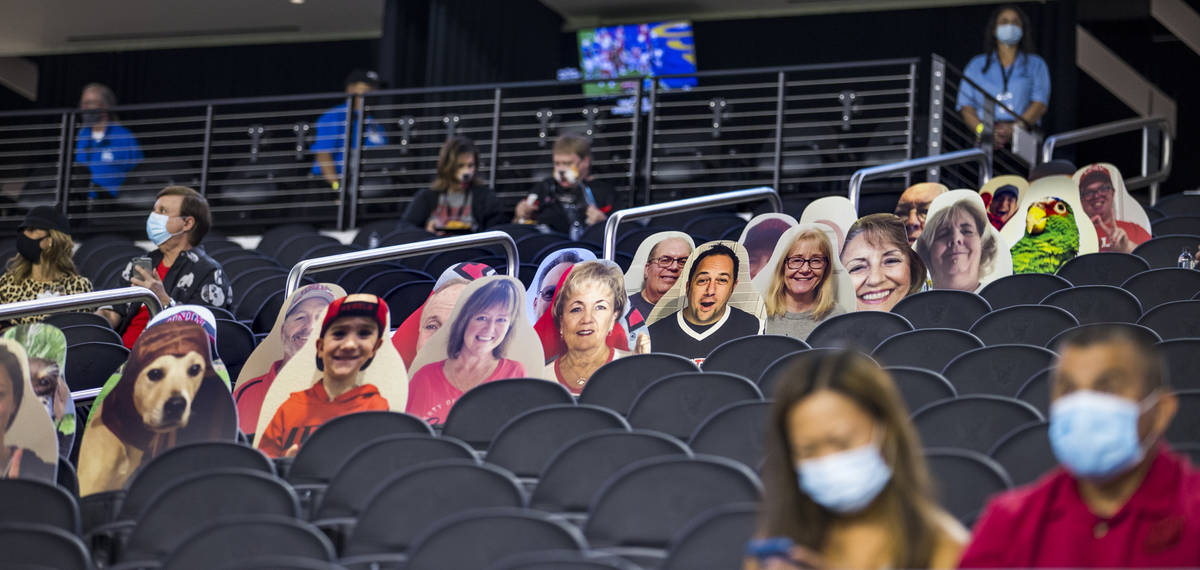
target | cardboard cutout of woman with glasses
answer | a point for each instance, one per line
(804, 283)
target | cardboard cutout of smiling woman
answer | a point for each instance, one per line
(834, 212)
(883, 268)
(648, 279)
(489, 338)
(760, 236)
(346, 366)
(1121, 223)
(46, 348)
(434, 313)
(707, 305)
(297, 319)
(169, 394)
(1002, 196)
(961, 248)
(549, 273)
(30, 449)
(798, 294)
(1049, 228)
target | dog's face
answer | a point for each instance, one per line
(165, 388)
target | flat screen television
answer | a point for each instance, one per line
(614, 54)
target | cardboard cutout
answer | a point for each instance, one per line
(488, 338)
(961, 249)
(30, 448)
(760, 236)
(590, 304)
(775, 277)
(434, 313)
(169, 394)
(299, 316)
(636, 276)
(836, 212)
(1121, 223)
(744, 314)
(550, 270)
(296, 404)
(883, 269)
(46, 348)
(913, 206)
(1046, 250)
(1011, 190)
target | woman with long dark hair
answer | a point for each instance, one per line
(846, 483)
(456, 202)
(1009, 71)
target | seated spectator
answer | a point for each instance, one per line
(586, 313)
(960, 246)
(1121, 496)
(1100, 198)
(351, 333)
(476, 352)
(331, 129)
(914, 206)
(664, 263)
(571, 200)
(845, 480)
(42, 266)
(107, 149)
(804, 282)
(183, 273)
(457, 202)
(883, 269)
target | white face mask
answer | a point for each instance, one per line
(845, 482)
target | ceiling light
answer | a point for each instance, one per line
(296, 1)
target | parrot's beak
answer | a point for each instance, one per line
(1035, 221)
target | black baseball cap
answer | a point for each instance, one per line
(46, 218)
(363, 76)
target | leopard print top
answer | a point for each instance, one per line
(12, 291)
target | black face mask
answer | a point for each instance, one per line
(90, 117)
(29, 248)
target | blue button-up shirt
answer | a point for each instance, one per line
(1028, 80)
(331, 134)
(110, 158)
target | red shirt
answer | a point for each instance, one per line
(250, 395)
(1047, 524)
(430, 393)
(303, 412)
(1136, 234)
(139, 321)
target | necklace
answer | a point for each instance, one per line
(568, 365)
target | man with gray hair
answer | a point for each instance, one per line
(664, 263)
(107, 149)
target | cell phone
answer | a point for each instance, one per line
(766, 548)
(143, 262)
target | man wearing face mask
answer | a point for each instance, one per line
(1008, 71)
(107, 149)
(457, 202)
(331, 129)
(183, 274)
(571, 200)
(1121, 497)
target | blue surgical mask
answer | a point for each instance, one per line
(845, 482)
(1008, 34)
(156, 228)
(1095, 435)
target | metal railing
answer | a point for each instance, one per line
(974, 155)
(81, 301)
(684, 205)
(389, 253)
(1145, 125)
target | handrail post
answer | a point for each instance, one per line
(780, 91)
(91, 299)
(937, 87)
(1143, 124)
(356, 258)
(684, 205)
(650, 136)
(495, 151)
(987, 139)
(912, 112)
(352, 166)
(208, 126)
(636, 119)
(65, 150)
(958, 157)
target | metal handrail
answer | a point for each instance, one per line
(1143, 124)
(389, 253)
(958, 157)
(685, 205)
(81, 301)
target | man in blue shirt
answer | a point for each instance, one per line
(331, 129)
(107, 149)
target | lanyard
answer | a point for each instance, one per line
(1007, 75)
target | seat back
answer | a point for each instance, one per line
(492, 535)
(942, 309)
(528, 441)
(749, 356)
(931, 349)
(480, 413)
(1101, 268)
(1036, 390)
(862, 330)
(616, 384)
(678, 403)
(328, 447)
(1022, 289)
(1157, 286)
(975, 422)
(1176, 319)
(1183, 360)
(231, 539)
(29, 501)
(920, 387)
(563, 559)
(1023, 324)
(1025, 453)
(735, 431)
(39, 546)
(999, 369)
(1185, 427)
(185, 461)
(1145, 333)
(1097, 304)
(964, 480)
(713, 540)
(1163, 251)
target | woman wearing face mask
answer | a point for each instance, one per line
(846, 483)
(42, 266)
(1009, 72)
(456, 202)
(183, 274)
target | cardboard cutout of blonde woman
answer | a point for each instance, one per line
(1049, 228)
(489, 338)
(712, 302)
(1002, 196)
(1121, 223)
(46, 348)
(169, 394)
(656, 266)
(835, 212)
(804, 282)
(30, 449)
(883, 268)
(549, 273)
(434, 313)
(959, 246)
(294, 326)
(346, 366)
(760, 236)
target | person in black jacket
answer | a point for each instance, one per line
(456, 202)
(572, 199)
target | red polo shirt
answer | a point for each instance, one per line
(1047, 524)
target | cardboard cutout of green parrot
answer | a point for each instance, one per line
(1051, 237)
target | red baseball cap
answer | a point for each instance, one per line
(357, 305)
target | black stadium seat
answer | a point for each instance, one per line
(1163, 251)
(492, 535)
(998, 369)
(942, 308)
(862, 330)
(1097, 304)
(79, 334)
(714, 539)
(974, 422)
(749, 356)
(90, 364)
(677, 404)
(37, 546)
(331, 444)
(1185, 428)
(563, 559)
(965, 480)
(1176, 319)
(1183, 360)
(1023, 324)
(1022, 289)
(1036, 390)
(931, 349)
(736, 431)
(1158, 286)
(616, 384)
(235, 342)
(1102, 268)
(528, 441)
(1025, 453)
(63, 320)
(230, 539)
(1179, 205)
(920, 387)
(29, 501)
(1185, 224)
(1147, 335)
(479, 414)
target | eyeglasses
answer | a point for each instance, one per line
(1091, 194)
(816, 263)
(547, 294)
(667, 261)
